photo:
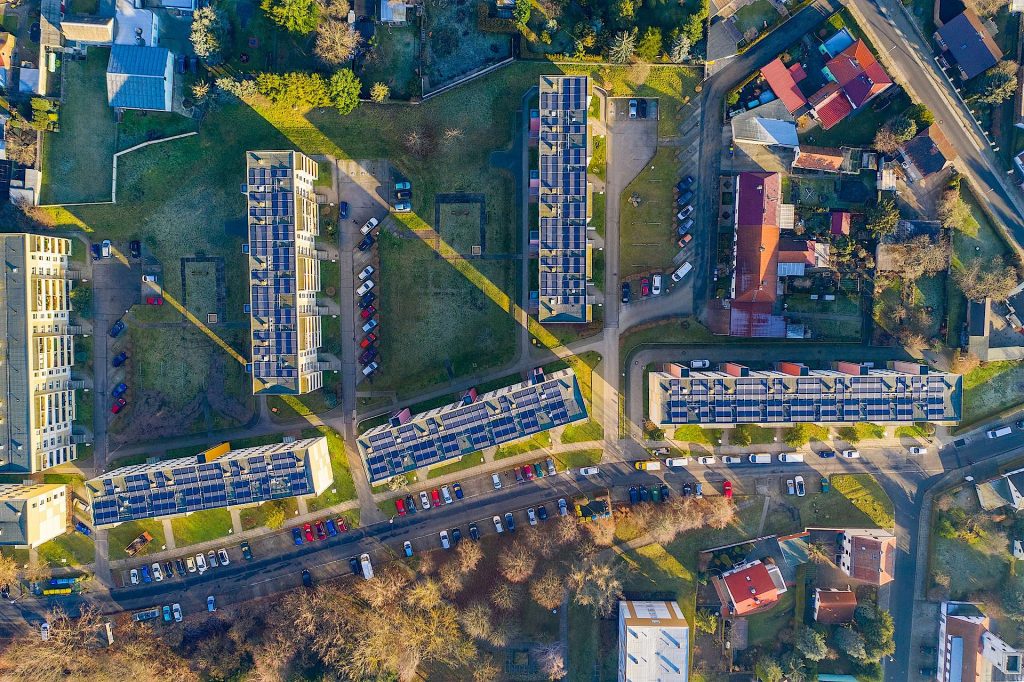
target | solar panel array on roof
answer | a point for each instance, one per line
(460, 429)
(563, 199)
(187, 485)
(822, 397)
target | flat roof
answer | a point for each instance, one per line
(564, 260)
(201, 482)
(409, 442)
(680, 396)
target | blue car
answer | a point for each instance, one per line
(96, 253)
(458, 491)
(116, 330)
(634, 495)
(297, 536)
(82, 528)
(827, 454)
(167, 614)
(120, 389)
(119, 360)
(343, 210)
(331, 530)
(146, 578)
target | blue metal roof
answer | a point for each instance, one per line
(135, 77)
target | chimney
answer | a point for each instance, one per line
(735, 369)
(851, 368)
(795, 369)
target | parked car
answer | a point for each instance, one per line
(727, 489)
(118, 405)
(201, 562)
(119, 390)
(457, 489)
(365, 273)
(212, 559)
(365, 286)
(800, 489)
(538, 470)
(456, 536)
(563, 507)
(211, 603)
(307, 532)
(342, 524)
(367, 227)
(343, 210)
(684, 240)
(321, 530)
(180, 565)
(446, 494)
(519, 474)
(790, 487)
(403, 194)
(119, 359)
(684, 198)
(645, 287)
(632, 108)
(825, 487)
(176, 610)
(116, 330)
(435, 495)
(158, 574)
(634, 495)
(698, 489)
(366, 300)
(510, 522)
(685, 183)
(496, 481)
(700, 364)
(528, 472)
(424, 500)
(402, 207)
(915, 450)
(105, 248)
(368, 340)
(354, 566)
(677, 462)
(655, 493)
(445, 543)
(851, 454)
(246, 551)
(682, 271)
(542, 512)
(403, 185)
(687, 489)
(296, 536)
(400, 506)
(656, 285)
(645, 494)
(135, 248)
(368, 355)
(154, 300)
(731, 459)
(706, 460)
(685, 213)
(589, 471)
(641, 107)
(97, 252)
(366, 243)
(497, 524)
(133, 575)
(167, 613)
(410, 504)
(625, 292)
(551, 467)
(827, 454)
(474, 532)
(191, 563)
(531, 516)
(368, 327)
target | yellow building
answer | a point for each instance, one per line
(38, 402)
(32, 514)
(284, 273)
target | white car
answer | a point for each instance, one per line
(368, 227)
(176, 609)
(446, 494)
(589, 471)
(851, 454)
(677, 462)
(445, 544)
(222, 554)
(201, 562)
(496, 480)
(800, 489)
(191, 563)
(731, 459)
(424, 500)
(134, 576)
(710, 459)
(532, 516)
(563, 508)
(700, 364)
(497, 524)
(915, 450)
(212, 559)
(44, 631)
(158, 574)
(364, 287)
(365, 274)
(211, 604)
(790, 487)
(656, 285)
(551, 467)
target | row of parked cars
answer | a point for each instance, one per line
(437, 497)
(528, 472)
(368, 353)
(319, 530)
(661, 492)
(198, 564)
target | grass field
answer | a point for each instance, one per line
(764, 627)
(858, 129)
(78, 159)
(343, 488)
(992, 388)
(578, 458)
(466, 462)
(394, 61)
(855, 501)
(534, 442)
(697, 434)
(647, 241)
(201, 288)
(203, 526)
(754, 16)
(141, 126)
(862, 431)
(582, 432)
(70, 549)
(257, 517)
(980, 564)
(121, 536)
(749, 433)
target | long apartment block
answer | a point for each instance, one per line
(284, 272)
(32, 513)
(792, 393)
(412, 441)
(38, 353)
(214, 479)
(564, 200)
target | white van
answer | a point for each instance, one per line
(364, 560)
(762, 458)
(1000, 432)
(791, 457)
(683, 271)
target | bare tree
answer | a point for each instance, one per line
(336, 42)
(516, 563)
(602, 531)
(424, 594)
(36, 571)
(504, 596)
(335, 9)
(452, 135)
(476, 620)
(953, 211)
(597, 585)
(502, 633)
(920, 255)
(450, 577)
(989, 279)
(986, 8)
(469, 556)
(486, 670)
(547, 590)
(8, 570)
(385, 586)
(567, 531)
(550, 660)
(964, 363)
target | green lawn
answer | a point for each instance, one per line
(755, 435)
(992, 388)
(121, 536)
(70, 549)
(981, 239)
(754, 16)
(697, 434)
(687, 330)
(764, 628)
(138, 127)
(646, 240)
(599, 161)
(316, 402)
(77, 160)
(847, 303)
(578, 458)
(394, 60)
(256, 517)
(582, 432)
(201, 526)
(534, 442)
(343, 488)
(914, 431)
(859, 128)
(461, 465)
(855, 501)
(862, 431)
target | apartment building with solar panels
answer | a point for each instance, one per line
(38, 401)
(284, 273)
(791, 393)
(564, 200)
(214, 479)
(415, 441)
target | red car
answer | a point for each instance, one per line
(118, 404)
(342, 525)
(528, 473)
(400, 506)
(367, 313)
(321, 530)
(154, 300)
(368, 341)
(727, 488)
(645, 286)
(436, 497)
(308, 530)
(685, 239)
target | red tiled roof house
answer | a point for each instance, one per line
(868, 555)
(856, 79)
(782, 82)
(750, 587)
(834, 607)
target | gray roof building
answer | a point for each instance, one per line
(32, 513)
(409, 441)
(86, 29)
(968, 42)
(564, 200)
(214, 479)
(140, 77)
(792, 393)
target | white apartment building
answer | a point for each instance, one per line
(32, 513)
(654, 642)
(38, 402)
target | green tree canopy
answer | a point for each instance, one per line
(344, 90)
(297, 16)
